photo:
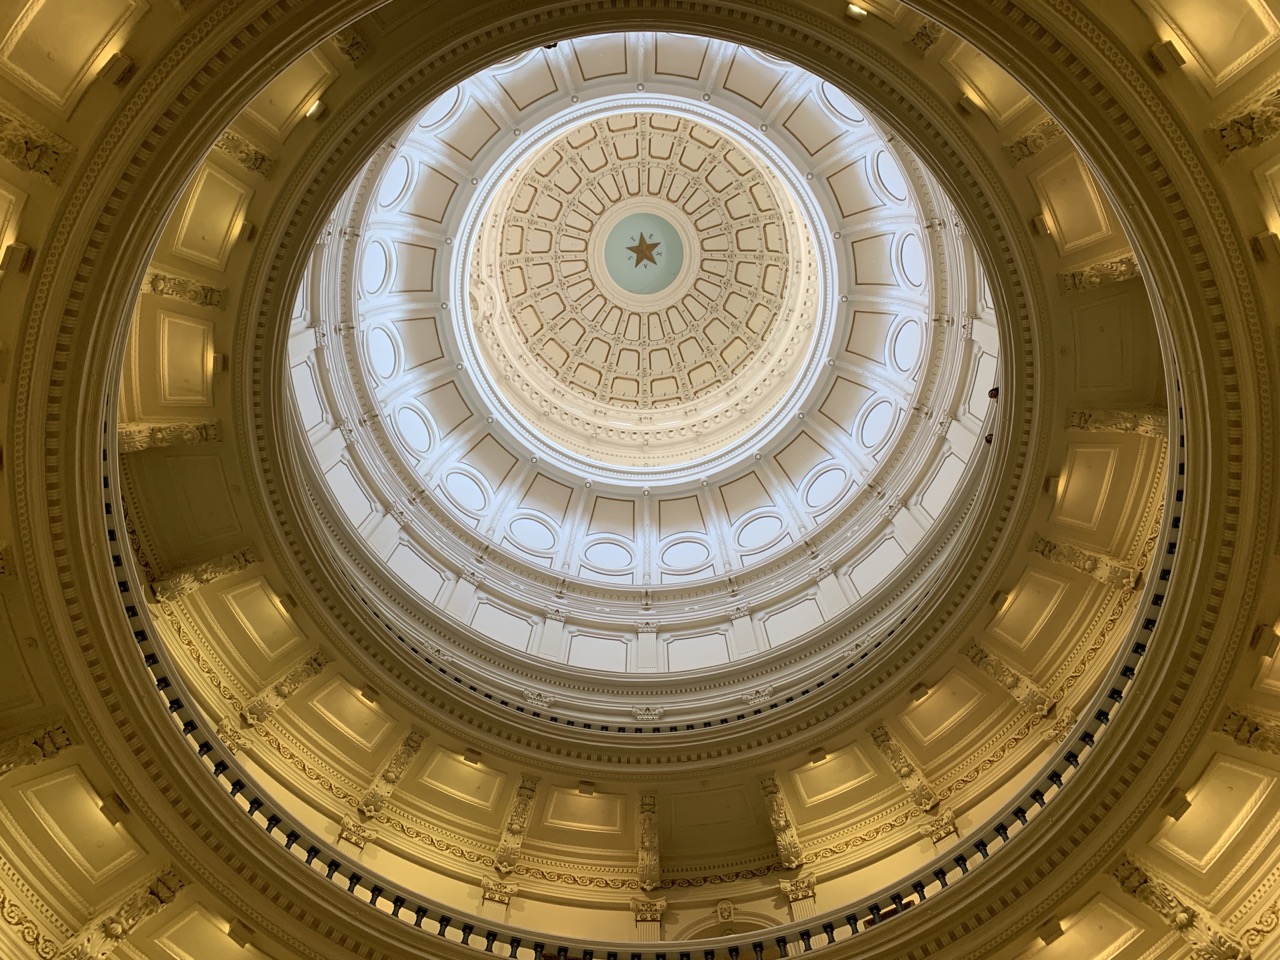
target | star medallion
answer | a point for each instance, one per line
(643, 251)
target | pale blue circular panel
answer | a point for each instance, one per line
(643, 253)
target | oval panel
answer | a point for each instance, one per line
(905, 348)
(876, 424)
(912, 255)
(913, 263)
(608, 555)
(825, 487)
(382, 353)
(685, 554)
(395, 181)
(890, 176)
(841, 104)
(760, 531)
(374, 267)
(465, 491)
(440, 108)
(532, 533)
(413, 429)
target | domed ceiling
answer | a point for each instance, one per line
(646, 381)
(648, 509)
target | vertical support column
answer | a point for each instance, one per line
(257, 710)
(647, 646)
(800, 894)
(650, 867)
(513, 828)
(182, 582)
(790, 852)
(1201, 930)
(495, 898)
(648, 914)
(99, 938)
(742, 635)
(551, 642)
(831, 595)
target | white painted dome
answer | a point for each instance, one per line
(639, 377)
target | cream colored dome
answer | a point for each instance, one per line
(644, 350)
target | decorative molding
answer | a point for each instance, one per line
(1196, 925)
(229, 733)
(1034, 140)
(352, 44)
(179, 584)
(13, 915)
(1115, 270)
(918, 788)
(538, 698)
(389, 774)
(30, 146)
(34, 746)
(647, 714)
(513, 828)
(1253, 126)
(800, 888)
(497, 891)
(759, 695)
(262, 706)
(1251, 732)
(100, 937)
(648, 911)
(650, 868)
(137, 436)
(354, 831)
(1148, 423)
(790, 852)
(176, 287)
(1019, 686)
(1263, 926)
(926, 35)
(942, 827)
(246, 153)
(1103, 569)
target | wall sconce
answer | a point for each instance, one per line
(471, 755)
(1176, 804)
(817, 754)
(316, 110)
(855, 12)
(586, 788)
(1040, 225)
(1050, 930)
(966, 105)
(119, 69)
(919, 692)
(114, 809)
(1265, 246)
(241, 933)
(17, 256)
(1165, 57)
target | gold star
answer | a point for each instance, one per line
(644, 251)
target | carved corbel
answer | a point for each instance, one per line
(515, 825)
(790, 853)
(918, 788)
